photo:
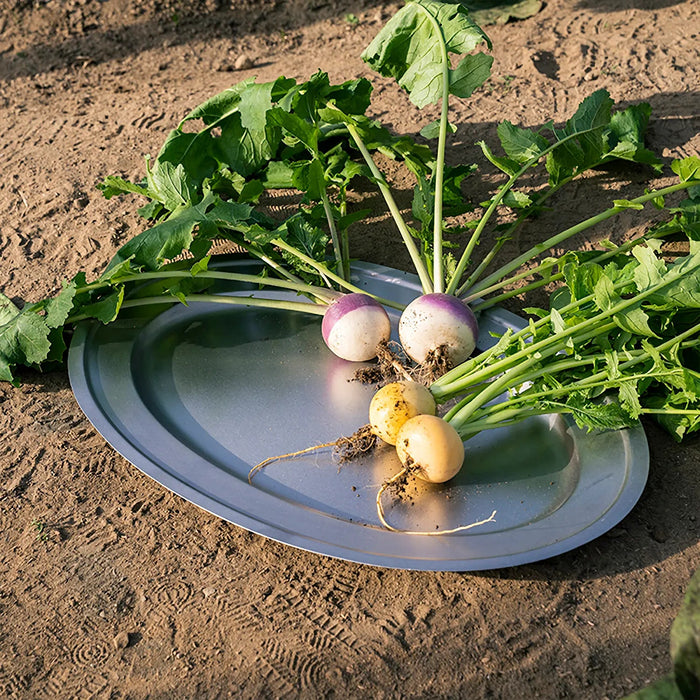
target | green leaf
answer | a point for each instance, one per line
(245, 142)
(58, 308)
(432, 130)
(200, 266)
(8, 310)
(234, 215)
(409, 48)
(194, 150)
(586, 133)
(58, 346)
(626, 140)
(557, 321)
(169, 184)
(262, 236)
(31, 337)
(170, 237)
(687, 168)
(301, 233)
(509, 166)
(521, 145)
(107, 308)
(151, 210)
(251, 192)
(113, 185)
(634, 319)
(627, 204)
(278, 176)
(24, 340)
(596, 416)
(516, 200)
(164, 241)
(351, 97)
(299, 128)
(310, 178)
(471, 73)
(651, 268)
(629, 398)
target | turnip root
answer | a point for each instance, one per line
(430, 448)
(354, 325)
(396, 403)
(438, 321)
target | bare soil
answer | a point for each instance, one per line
(113, 587)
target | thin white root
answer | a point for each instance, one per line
(269, 460)
(382, 518)
(401, 371)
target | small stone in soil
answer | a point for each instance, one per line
(121, 641)
(243, 62)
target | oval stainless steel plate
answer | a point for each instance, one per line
(195, 396)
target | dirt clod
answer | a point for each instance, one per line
(362, 441)
(121, 640)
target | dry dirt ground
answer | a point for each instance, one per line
(113, 587)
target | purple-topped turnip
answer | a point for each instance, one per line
(354, 325)
(438, 321)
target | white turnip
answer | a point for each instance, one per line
(438, 323)
(430, 448)
(354, 325)
(396, 403)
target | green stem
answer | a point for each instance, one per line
(438, 275)
(549, 346)
(324, 271)
(572, 231)
(273, 264)
(677, 340)
(513, 402)
(476, 234)
(523, 360)
(345, 239)
(538, 269)
(442, 387)
(463, 376)
(324, 295)
(508, 235)
(337, 251)
(551, 369)
(304, 307)
(517, 416)
(418, 264)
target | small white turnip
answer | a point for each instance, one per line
(354, 325)
(430, 448)
(396, 403)
(434, 321)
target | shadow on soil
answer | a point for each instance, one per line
(621, 5)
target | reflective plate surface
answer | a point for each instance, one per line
(195, 396)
